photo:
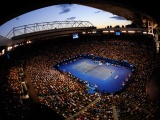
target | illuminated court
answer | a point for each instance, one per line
(106, 78)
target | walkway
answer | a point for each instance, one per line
(32, 93)
(115, 115)
(76, 114)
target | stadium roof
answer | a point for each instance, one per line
(130, 9)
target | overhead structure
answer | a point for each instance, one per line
(37, 27)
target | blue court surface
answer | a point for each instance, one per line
(106, 78)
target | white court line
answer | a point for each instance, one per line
(80, 66)
(84, 65)
(99, 72)
(97, 75)
(83, 62)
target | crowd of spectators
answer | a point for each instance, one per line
(61, 91)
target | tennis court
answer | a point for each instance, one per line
(93, 70)
(106, 78)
